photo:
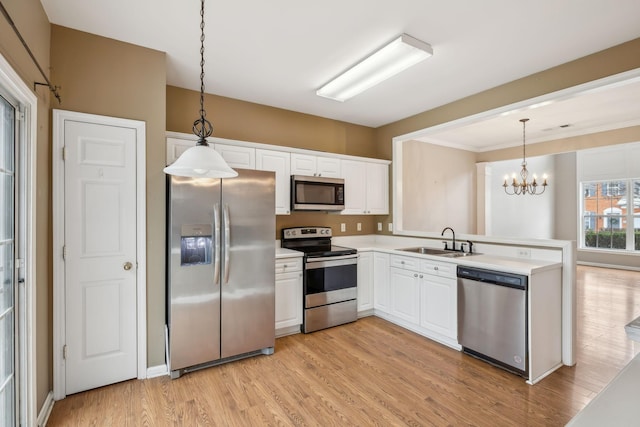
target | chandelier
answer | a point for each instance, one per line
(201, 161)
(524, 186)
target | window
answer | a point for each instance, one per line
(609, 221)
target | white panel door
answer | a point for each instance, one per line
(100, 255)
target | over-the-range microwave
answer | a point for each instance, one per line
(316, 193)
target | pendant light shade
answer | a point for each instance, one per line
(201, 161)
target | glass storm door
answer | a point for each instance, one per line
(8, 381)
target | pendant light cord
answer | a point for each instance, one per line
(202, 127)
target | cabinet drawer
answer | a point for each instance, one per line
(438, 268)
(286, 265)
(407, 263)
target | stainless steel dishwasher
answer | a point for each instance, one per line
(492, 317)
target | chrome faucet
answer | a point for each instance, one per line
(453, 239)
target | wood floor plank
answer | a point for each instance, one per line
(374, 373)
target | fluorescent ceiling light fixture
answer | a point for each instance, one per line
(400, 54)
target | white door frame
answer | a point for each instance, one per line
(27, 378)
(59, 116)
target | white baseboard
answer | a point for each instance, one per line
(157, 371)
(45, 411)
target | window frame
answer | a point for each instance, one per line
(627, 220)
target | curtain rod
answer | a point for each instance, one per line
(52, 88)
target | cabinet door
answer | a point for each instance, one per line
(177, 146)
(236, 156)
(328, 167)
(288, 299)
(280, 163)
(381, 282)
(355, 187)
(365, 281)
(438, 305)
(303, 164)
(377, 189)
(405, 300)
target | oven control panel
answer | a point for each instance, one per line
(305, 232)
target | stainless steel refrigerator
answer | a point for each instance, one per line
(221, 269)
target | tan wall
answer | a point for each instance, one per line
(107, 77)
(32, 22)
(245, 121)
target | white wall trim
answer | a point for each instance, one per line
(45, 411)
(157, 371)
(59, 116)
(17, 88)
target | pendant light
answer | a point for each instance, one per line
(201, 161)
(524, 187)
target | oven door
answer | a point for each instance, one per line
(331, 279)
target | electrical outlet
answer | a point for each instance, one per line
(379, 226)
(359, 226)
(524, 253)
(390, 227)
(343, 227)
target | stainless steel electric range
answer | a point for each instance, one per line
(330, 277)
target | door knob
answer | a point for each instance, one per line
(127, 266)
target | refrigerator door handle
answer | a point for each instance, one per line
(216, 243)
(227, 242)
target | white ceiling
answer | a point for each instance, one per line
(279, 52)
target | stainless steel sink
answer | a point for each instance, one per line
(437, 252)
(426, 251)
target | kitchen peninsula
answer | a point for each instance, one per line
(418, 291)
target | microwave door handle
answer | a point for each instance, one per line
(227, 242)
(216, 243)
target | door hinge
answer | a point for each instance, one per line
(64, 253)
(64, 153)
(64, 352)
(20, 116)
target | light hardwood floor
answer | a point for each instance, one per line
(373, 373)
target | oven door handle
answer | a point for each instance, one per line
(334, 261)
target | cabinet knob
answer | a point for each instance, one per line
(435, 268)
(415, 275)
(421, 276)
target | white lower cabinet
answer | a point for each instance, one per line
(438, 305)
(288, 294)
(381, 282)
(422, 297)
(405, 292)
(365, 282)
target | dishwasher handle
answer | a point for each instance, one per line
(499, 278)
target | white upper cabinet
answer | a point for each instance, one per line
(366, 188)
(377, 189)
(310, 165)
(280, 163)
(237, 156)
(177, 146)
